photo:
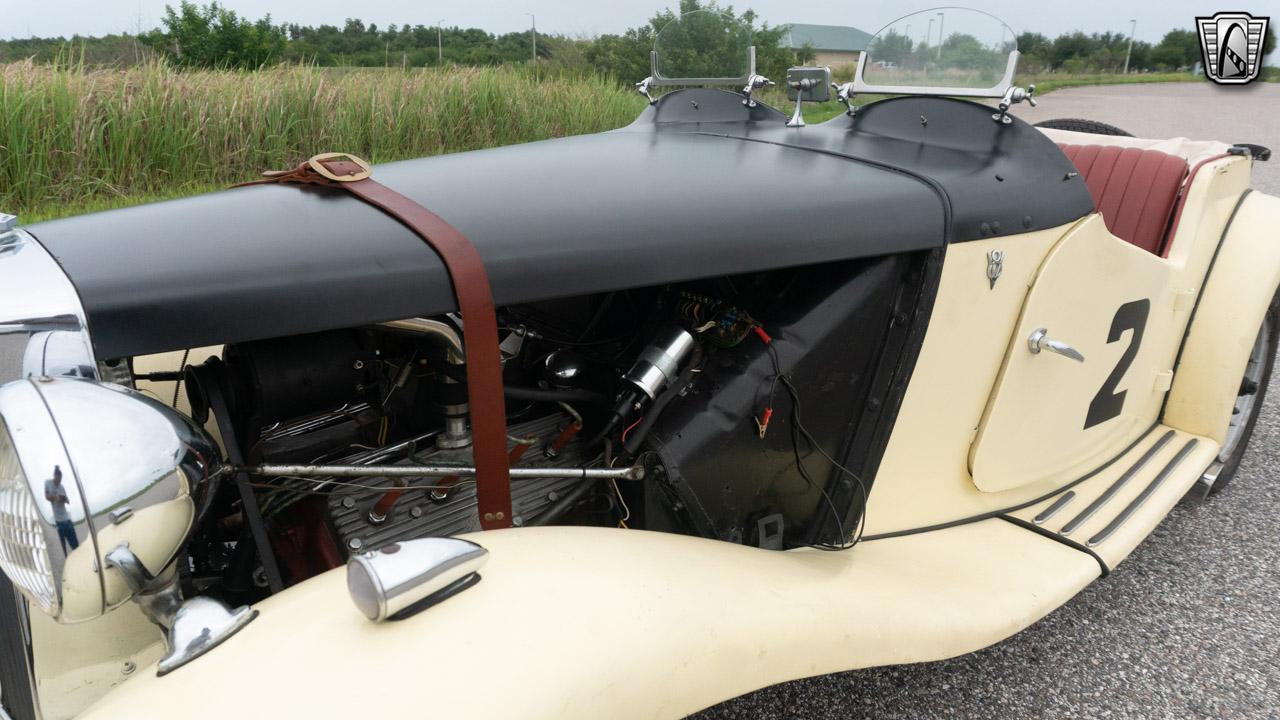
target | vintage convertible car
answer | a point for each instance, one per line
(779, 401)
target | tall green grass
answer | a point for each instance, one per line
(74, 138)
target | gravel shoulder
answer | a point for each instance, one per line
(1189, 625)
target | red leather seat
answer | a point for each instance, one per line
(1135, 190)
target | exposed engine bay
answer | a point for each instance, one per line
(745, 409)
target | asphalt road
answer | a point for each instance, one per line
(1189, 625)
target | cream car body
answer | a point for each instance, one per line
(1009, 476)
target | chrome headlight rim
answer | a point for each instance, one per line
(129, 464)
(21, 533)
(36, 446)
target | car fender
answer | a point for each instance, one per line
(573, 622)
(1241, 283)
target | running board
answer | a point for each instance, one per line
(1111, 512)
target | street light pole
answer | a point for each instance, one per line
(928, 34)
(439, 43)
(533, 33)
(942, 19)
(1133, 25)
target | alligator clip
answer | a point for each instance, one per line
(762, 424)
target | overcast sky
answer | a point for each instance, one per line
(24, 18)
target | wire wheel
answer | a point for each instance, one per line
(1248, 404)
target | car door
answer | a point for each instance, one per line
(1087, 366)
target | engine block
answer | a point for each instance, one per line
(416, 514)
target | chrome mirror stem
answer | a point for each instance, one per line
(797, 118)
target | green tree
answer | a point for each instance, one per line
(890, 47)
(1034, 43)
(1068, 46)
(806, 54)
(713, 42)
(1178, 49)
(212, 36)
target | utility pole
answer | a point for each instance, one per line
(942, 19)
(439, 43)
(533, 33)
(1133, 25)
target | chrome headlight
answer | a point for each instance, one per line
(85, 468)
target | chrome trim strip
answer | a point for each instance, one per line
(43, 326)
(1120, 482)
(1146, 493)
(1056, 506)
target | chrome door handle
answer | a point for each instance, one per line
(1040, 340)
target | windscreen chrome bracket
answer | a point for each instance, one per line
(754, 82)
(7, 225)
(845, 94)
(1013, 96)
(643, 86)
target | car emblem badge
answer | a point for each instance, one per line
(1231, 45)
(995, 266)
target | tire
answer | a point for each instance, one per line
(15, 686)
(1084, 126)
(1253, 391)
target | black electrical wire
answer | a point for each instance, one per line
(798, 431)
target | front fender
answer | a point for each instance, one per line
(1241, 284)
(601, 623)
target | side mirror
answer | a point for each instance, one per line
(95, 498)
(807, 83)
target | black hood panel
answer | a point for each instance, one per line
(551, 219)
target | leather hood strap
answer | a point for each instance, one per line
(475, 301)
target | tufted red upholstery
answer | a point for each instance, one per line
(1134, 189)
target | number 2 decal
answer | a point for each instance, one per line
(1108, 403)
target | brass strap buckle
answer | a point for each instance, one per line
(317, 164)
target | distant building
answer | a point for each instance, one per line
(833, 45)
